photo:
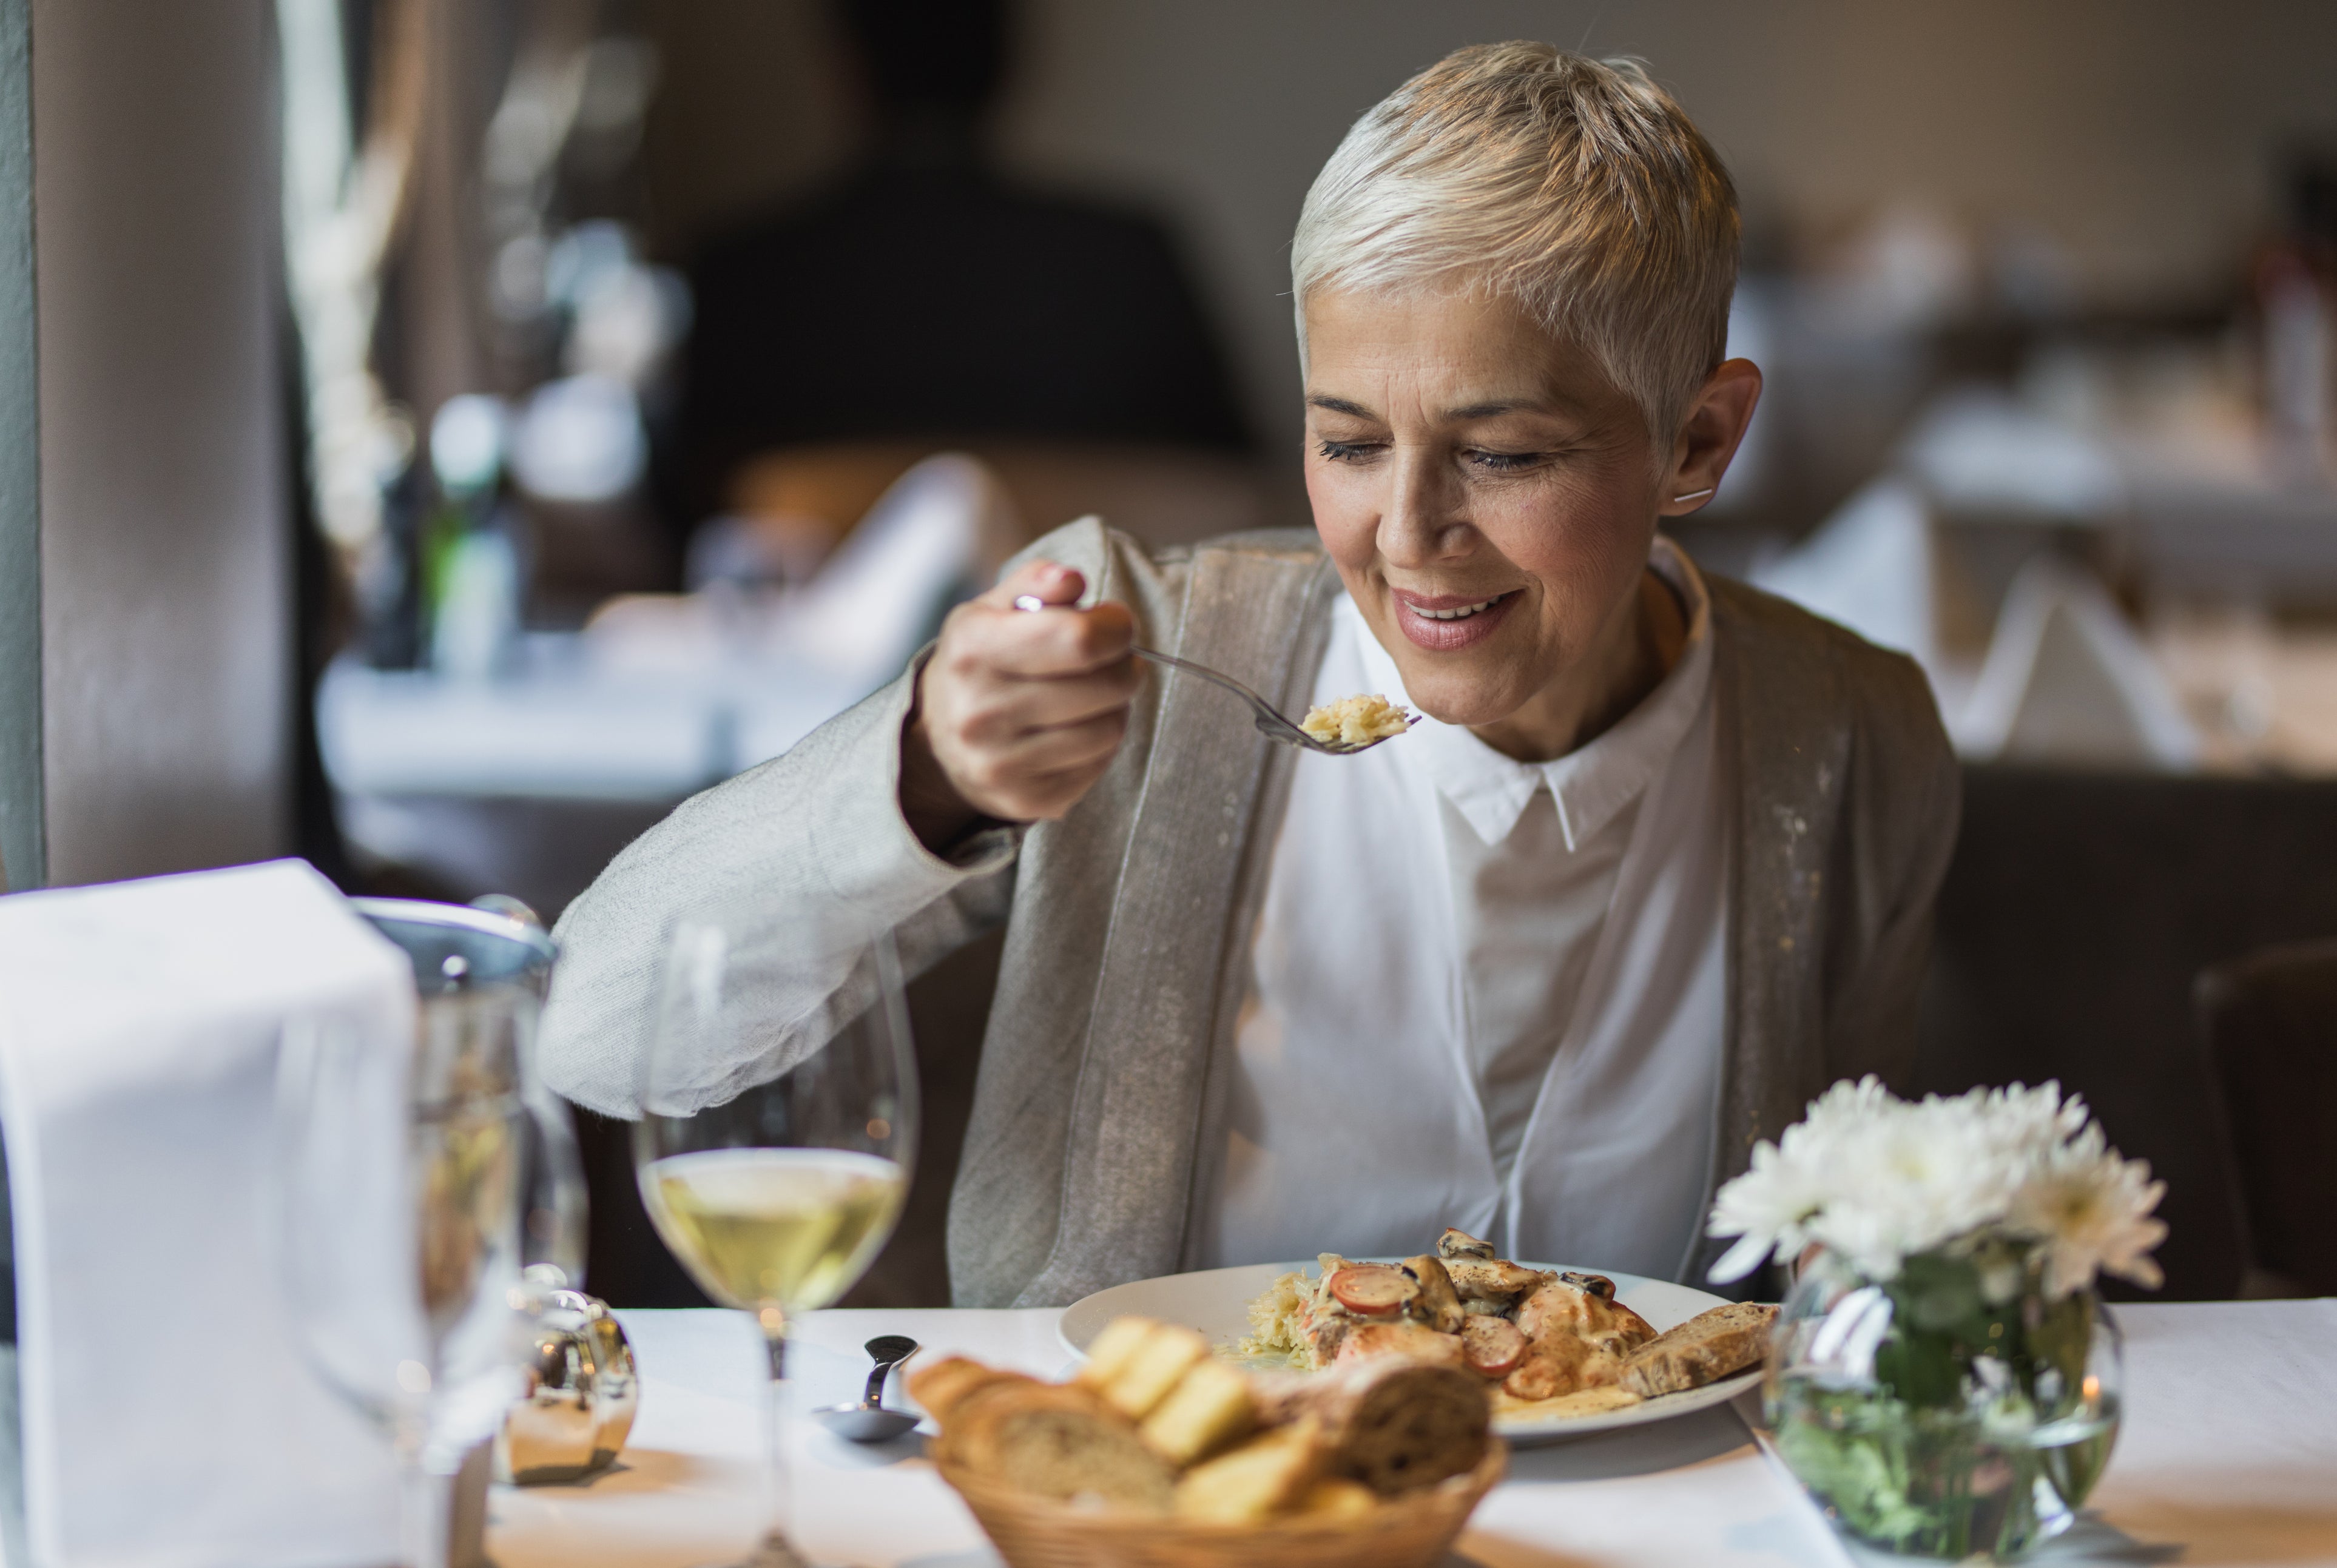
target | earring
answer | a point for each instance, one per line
(1694, 494)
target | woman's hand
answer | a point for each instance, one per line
(1016, 715)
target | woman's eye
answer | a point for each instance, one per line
(1504, 462)
(1346, 451)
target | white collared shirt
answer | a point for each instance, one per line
(1488, 993)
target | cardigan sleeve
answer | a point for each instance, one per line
(816, 831)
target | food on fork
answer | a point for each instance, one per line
(1354, 720)
(1217, 1445)
(1550, 1343)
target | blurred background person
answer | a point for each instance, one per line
(922, 298)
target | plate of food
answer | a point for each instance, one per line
(1563, 1351)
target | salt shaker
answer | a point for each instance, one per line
(581, 1393)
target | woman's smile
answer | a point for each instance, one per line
(1440, 623)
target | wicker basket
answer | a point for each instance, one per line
(1408, 1532)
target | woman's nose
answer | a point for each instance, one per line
(1420, 518)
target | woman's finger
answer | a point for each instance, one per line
(1046, 796)
(1065, 747)
(1049, 582)
(1012, 781)
(1048, 644)
(1002, 710)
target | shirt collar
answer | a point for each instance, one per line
(1591, 783)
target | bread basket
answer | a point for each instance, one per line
(1412, 1530)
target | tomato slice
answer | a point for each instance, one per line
(1372, 1290)
(1492, 1346)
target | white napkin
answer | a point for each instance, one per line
(2067, 681)
(1871, 567)
(168, 1418)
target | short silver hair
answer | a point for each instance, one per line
(1576, 187)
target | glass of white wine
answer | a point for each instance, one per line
(779, 1125)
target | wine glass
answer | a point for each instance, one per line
(779, 1125)
(402, 1295)
(415, 1178)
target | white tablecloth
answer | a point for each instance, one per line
(2228, 1457)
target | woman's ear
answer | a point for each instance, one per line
(1709, 436)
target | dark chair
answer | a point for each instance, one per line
(2079, 907)
(2270, 1022)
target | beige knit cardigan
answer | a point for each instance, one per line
(1097, 1119)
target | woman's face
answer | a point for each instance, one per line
(1488, 495)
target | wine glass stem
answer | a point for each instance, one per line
(425, 1499)
(778, 1544)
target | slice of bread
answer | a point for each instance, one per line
(1392, 1423)
(1705, 1348)
(1113, 1348)
(1334, 1497)
(1265, 1477)
(938, 1386)
(1155, 1369)
(1209, 1409)
(1059, 1440)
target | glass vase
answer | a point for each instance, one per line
(1953, 1410)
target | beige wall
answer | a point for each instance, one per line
(165, 606)
(2135, 131)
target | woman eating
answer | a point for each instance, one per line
(1654, 867)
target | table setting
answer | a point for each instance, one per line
(412, 1371)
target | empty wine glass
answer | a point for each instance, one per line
(416, 1180)
(779, 1122)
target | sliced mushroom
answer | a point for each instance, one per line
(1461, 1244)
(1438, 1305)
(1599, 1285)
(1478, 1281)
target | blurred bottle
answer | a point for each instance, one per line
(471, 565)
(2296, 302)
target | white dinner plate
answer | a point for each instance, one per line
(1217, 1301)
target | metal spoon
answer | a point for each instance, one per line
(869, 1421)
(1268, 718)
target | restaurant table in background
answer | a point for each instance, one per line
(2228, 1457)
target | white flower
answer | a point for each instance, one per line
(1765, 1208)
(1875, 1179)
(2028, 1124)
(1908, 1178)
(2092, 1210)
(1768, 1206)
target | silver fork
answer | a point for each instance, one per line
(1268, 718)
